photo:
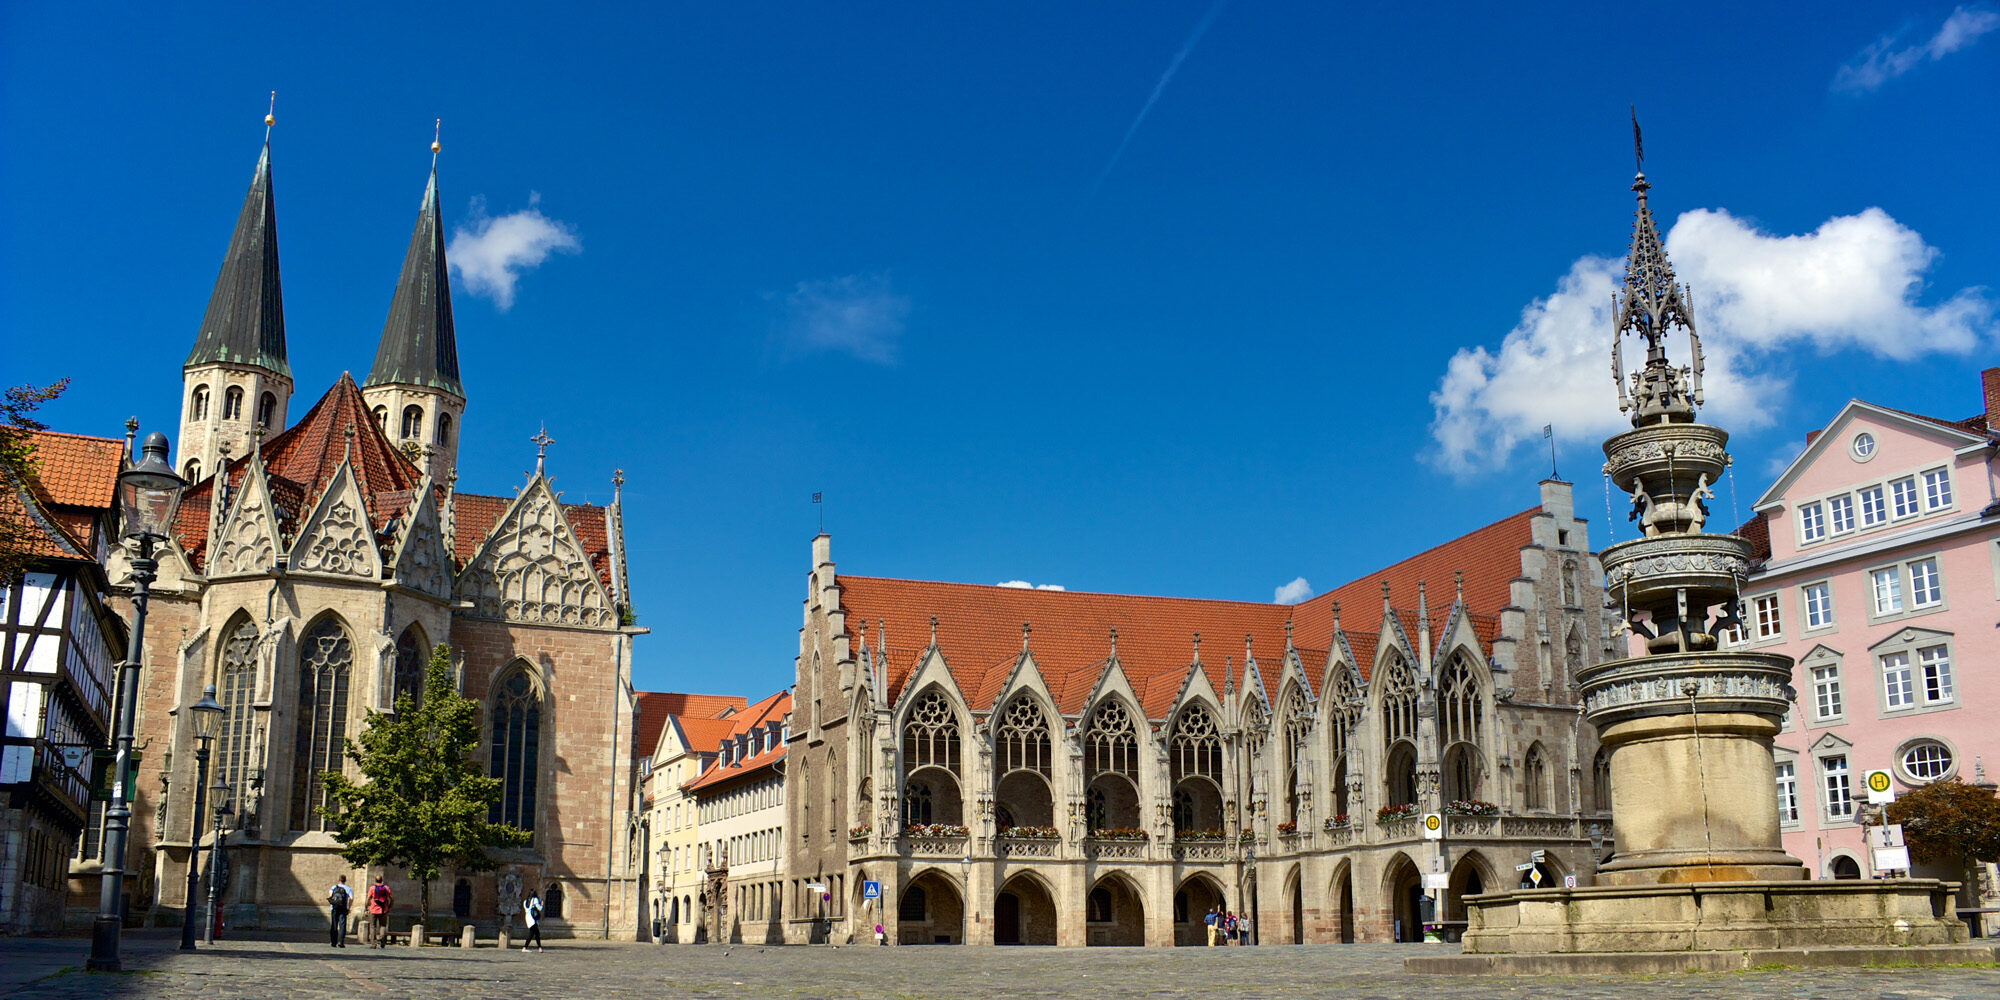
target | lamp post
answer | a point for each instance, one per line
(215, 853)
(148, 493)
(205, 715)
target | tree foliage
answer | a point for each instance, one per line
(18, 465)
(1949, 821)
(421, 803)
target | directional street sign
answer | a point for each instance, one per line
(1524, 868)
(1881, 788)
(1539, 856)
(1433, 880)
(1433, 826)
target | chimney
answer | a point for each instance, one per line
(1989, 383)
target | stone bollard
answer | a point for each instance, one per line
(468, 939)
(506, 939)
(416, 935)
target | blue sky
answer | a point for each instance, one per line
(1309, 320)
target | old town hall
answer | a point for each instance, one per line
(314, 565)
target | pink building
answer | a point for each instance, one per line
(1879, 573)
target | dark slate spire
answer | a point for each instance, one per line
(418, 345)
(245, 322)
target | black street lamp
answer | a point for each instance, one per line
(215, 855)
(148, 493)
(206, 715)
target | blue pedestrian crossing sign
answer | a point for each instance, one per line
(871, 889)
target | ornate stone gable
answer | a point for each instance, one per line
(248, 540)
(421, 562)
(531, 569)
(337, 539)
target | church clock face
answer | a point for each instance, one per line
(413, 451)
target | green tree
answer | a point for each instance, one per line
(421, 803)
(18, 466)
(1949, 821)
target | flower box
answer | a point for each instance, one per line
(1471, 807)
(1336, 822)
(1118, 833)
(1390, 814)
(859, 832)
(1199, 836)
(1287, 829)
(935, 830)
(1031, 833)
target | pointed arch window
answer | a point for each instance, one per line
(516, 736)
(326, 658)
(1459, 709)
(267, 410)
(1535, 775)
(1024, 739)
(193, 470)
(232, 403)
(930, 738)
(413, 421)
(1343, 713)
(1298, 743)
(1600, 783)
(1113, 744)
(236, 684)
(198, 403)
(444, 430)
(1195, 749)
(1399, 701)
(411, 657)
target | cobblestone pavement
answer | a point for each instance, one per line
(281, 970)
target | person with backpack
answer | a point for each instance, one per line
(531, 911)
(339, 898)
(380, 899)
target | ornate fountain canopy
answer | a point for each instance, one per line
(1653, 303)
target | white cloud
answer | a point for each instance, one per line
(1884, 60)
(1850, 285)
(1025, 585)
(490, 254)
(857, 314)
(1293, 592)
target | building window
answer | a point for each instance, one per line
(1788, 792)
(516, 759)
(1840, 511)
(193, 470)
(1937, 489)
(411, 659)
(1839, 798)
(232, 403)
(1926, 588)
(1887, 586)
(1864, 446)
(267, 410)
(1897, 691)
(382, 418)
(1536, 775)
(1812, 522)
(1873, 510)
(1926, 760)
(1934, 665)
(1826, 692)
(1768, 624)
(236, 683)
(1600, 781)
(413, 421)
(1903, 492)
(444, 430)
(1819, 604)
(198, 403)
(326, 656)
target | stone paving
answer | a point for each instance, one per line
(48, 969)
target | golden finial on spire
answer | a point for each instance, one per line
(271, 116)
(435, 136)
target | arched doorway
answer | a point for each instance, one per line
(1295, 892)
(1343, 901)
(1196, 897)
(1469, 877)
(1113, 914)
(1843, 867)
(1404, 887)
(931, 911)
(1024, 912)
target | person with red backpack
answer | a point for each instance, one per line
(380, 899)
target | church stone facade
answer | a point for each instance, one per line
(1040, 767)
(313, 567)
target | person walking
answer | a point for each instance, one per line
(531, 911)
(380, 900)
(339, 898)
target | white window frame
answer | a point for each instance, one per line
(1840, 514)
(1759, 606)
(1812, 522)
(1921, 742)
(1899, 688)
(1935, 684)
(1829, 702)
(1836, 786)
(1787, 772)
(1874, 501)
(1877, 595)
(1823, 589)
(1918, 592)
(1863, 446)
(1897, 511)
(1916, 664)
(1937, 492)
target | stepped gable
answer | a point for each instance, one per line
(655, 707)
(771, 709)
(300, 463)
(477, 515)
(979, 626)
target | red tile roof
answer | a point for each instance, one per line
(76, 471)
(656, 706)
(771, 709)
(979, 627)
(29, 522)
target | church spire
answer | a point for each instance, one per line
(419, 347)
(1653, 302)
(245, 321)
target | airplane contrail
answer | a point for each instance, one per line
(1154, 97)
